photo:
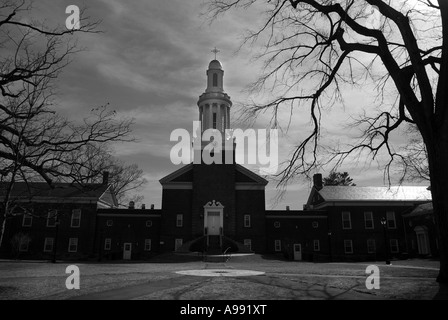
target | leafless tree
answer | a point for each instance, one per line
(36, 143)
(314, 49)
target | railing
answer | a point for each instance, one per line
(226, 255)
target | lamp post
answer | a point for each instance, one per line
(55, 245)
(386, 245)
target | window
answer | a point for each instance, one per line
(179, 220)
(215, 80)
(76, 218)
(394, 246)
(247, 220)
(27, 220)
(248, 243)
(277, 224)
(346, 221)
(51, 218)
(149, 223)
(348, 246)
(177, 244)
(368, 220)
(316, 245)
(73, 245)
(371, 246)
(24, 244)
(109, 223)
(214, 120)
(391, 220)
(277, 245)
(107, 244)
(147, 245)
(315, 224)
(48, 244)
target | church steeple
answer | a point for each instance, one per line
(214, 104)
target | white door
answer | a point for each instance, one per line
(422, 240)
(177, 244)
(297, 251)
(213, 222)
(127, 249)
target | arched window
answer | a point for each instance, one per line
(215, 80)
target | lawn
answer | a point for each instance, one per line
(157, 279)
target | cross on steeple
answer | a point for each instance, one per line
(215, 51)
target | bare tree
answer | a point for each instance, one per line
(93, 160)
(37, 144)
(314, 49)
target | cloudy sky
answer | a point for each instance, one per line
(149, 63)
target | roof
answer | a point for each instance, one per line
(393, 193)
(420, 210)
(58, 190)
(215, 64)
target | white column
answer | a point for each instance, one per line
(210, 117)
(228, 117)
(218, 119)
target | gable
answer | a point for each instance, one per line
(243, 175)
(184, 174)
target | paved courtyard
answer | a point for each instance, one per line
(256, 277)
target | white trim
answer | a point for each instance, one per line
(248, 243)
(349, 220)
(75, 243)
(314, 245)
(178, 242)
(27, 216)
(76, 211)
(247, 219)
(54, 215)
(107, 244)
(46, 244)
(394, 219)
(277, 245)
(365, 220)
(179, 220)
(178, 186)
(147, 245)
(351, 246)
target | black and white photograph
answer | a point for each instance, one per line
(221, 157)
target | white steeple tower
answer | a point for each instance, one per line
(214, 104)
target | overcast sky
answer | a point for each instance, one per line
(150, 64)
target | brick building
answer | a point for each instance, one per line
(212, 208)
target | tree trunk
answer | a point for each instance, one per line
(438, 165)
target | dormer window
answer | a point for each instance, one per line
(215, 79)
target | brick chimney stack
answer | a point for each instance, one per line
(317, 181)
(105, 177)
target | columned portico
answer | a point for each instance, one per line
(213, 218)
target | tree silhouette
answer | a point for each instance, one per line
(315, 49)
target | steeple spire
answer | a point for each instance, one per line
(215, 51)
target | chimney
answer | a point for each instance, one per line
(143, 206)
(131, 205)
(152, 206)
(287, 208)
(105, 177)
(317, 181)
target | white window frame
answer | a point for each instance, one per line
(109, 223)
(366, 214)
(349, 220)
(107, 244)
(396, 244)
(277, 224)
(148, 223)
(277, 245)
(179, 220)
(316, 245)
(52, 214)
(345, 246)
(392, 214)
(248, 243)
(29, 217)
(73, 242)
(371, 243)
(73, 218)
(148, 245)
(48, 242)
(315, 224)
(247, 221)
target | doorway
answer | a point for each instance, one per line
(127, 250)
(297, 251)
